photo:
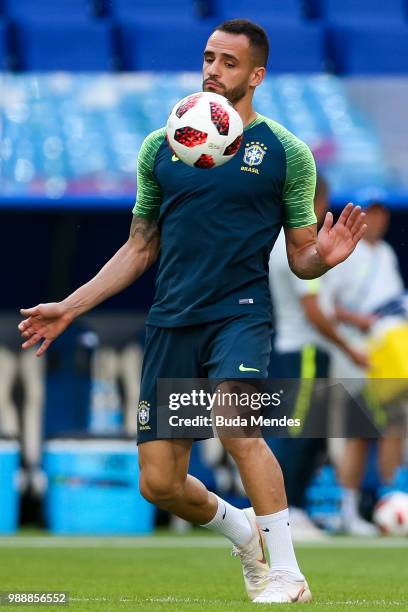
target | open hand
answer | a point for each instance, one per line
(336, 242)
(44, 322)
(359, 358)
(363, 322)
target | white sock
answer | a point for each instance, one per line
(275, 528)
(231, 522)
(349, 504)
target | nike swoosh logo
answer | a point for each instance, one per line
(174, 158)
(266, 530)
(263, 559)
(225, 513)
(298, 596)
(243, 368)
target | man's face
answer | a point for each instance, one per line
(228, 67)
(377, 219)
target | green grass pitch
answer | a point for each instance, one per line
(192, 573)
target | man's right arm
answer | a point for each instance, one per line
(307, 292)
(327, 329)
(361, 321)
(127, 265)
(48, 321)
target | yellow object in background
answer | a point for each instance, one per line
(388, 355)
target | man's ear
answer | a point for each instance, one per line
(258, 75)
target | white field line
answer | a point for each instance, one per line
(181, 542)
(230, 602)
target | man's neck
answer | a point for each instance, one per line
(246, 112)
(370, 241)
(246, 120)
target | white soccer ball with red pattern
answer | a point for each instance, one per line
(391, 514)
(204, 130)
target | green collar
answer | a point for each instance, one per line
(258, 119)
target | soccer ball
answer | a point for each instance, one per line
(204, 130)
(391, 514)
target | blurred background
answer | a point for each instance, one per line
(82, 82)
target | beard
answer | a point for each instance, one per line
(234, 95)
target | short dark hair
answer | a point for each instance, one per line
(377, 205)
(256, 35)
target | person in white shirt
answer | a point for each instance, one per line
(304, 314)
(367, 281)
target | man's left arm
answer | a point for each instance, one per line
(311, 254)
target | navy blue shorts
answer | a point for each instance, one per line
(233, 348)
(303, 399)
(311, 362)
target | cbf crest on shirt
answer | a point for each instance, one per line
(254, 154)
(218, 226)
(143, 415)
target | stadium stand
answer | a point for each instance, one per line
(263, 10)
(145, 47)
(80, 136)
(344, 36)
(64, 45)
(144, 35)
(370, 49)
(151, 46)
(27, 10)
(295, 47)
(3, 45)
(148, 10)
(363, 11)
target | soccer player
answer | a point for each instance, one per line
(213, 231)
(304, 313)
(377, 283)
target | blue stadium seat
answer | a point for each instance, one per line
(67, 133)
(260, 10)
(22, 10)
(158, 47)
(152, 10)
(3, 45)
(336, 11)
(312, 8)
(295, 47)
(55, 45)
(371, 49)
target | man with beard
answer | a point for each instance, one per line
(211, 315)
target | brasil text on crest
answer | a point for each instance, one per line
(253, 156)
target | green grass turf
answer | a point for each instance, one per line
(191, 579)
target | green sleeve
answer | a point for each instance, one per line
(149, 195)
(300, 183)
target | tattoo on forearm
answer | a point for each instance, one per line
(147, 228)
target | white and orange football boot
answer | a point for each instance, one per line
(282, 588)
(255, 567)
